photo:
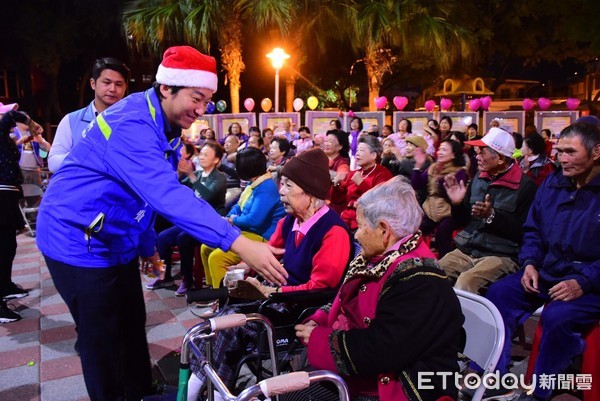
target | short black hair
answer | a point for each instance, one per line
(408, 124)
(342, 138)
(173, 89)
(216, 147)
(536, 143)
(284, 144)
(305, 129)
(337, 123)
(457, 151)
(250, 162)
(588, 133)
(360, 122)
(110, 63)
(448, 119)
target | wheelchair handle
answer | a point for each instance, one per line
(207, 294)
(227, 321)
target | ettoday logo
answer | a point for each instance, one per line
(472, 381)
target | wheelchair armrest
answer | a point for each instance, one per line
(319, 296)
(207, 294)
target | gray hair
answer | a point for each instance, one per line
(394, 202)
(372, 142)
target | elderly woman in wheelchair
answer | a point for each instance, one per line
(395, 314)
(317, 247)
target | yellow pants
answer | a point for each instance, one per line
(216, 262)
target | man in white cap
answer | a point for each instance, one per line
(98, 212)
(492, 209)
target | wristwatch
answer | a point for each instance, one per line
(491, 218)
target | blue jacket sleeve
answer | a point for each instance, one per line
(261, 208)
(136, 155)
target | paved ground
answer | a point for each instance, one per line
(37, 360)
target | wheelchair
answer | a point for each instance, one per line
(283, 311)
(273, 386)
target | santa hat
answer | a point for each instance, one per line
(187, 67)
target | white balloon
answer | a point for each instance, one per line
(298, 104)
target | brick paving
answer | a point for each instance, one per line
(37, 359)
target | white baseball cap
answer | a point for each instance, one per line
(497, 139)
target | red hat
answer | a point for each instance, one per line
(187, 67)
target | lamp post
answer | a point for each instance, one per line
(277, 56)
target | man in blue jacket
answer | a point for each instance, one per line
(97, 216)
(560, 259)
(109, 82)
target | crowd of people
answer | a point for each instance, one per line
(392, 220)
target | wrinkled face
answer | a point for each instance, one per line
(488, 160)
(253, 142)
(231, 144)
(208, 159)
(209, 134)
(385, 131)
(287, 125)
(295, 201)
(444, 154)
(332, 145)
(183, 107)
(370, 239)
(574, 158)
(109, 88)
(402, 126)
(364, 156)
(274, 152)
(444, 125)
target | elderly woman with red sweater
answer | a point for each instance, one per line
(396, 314)
(317, 251)
(370, 173)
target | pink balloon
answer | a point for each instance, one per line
(544, 103)
(528, 104)
(351, 114)
(400, 102)
(474, 104)
(486, 102)
(380, 102)
(445, 104)
(430, 105)
(249, 104)
(572, 103)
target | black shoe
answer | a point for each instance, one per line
(8, 315)
(14, 291)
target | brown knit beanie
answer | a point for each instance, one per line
(310, 171)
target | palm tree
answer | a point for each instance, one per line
(389, 30)
(157, 24)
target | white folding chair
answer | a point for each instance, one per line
(485, 333)
(32, 194)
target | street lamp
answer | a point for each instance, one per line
(277, 56)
